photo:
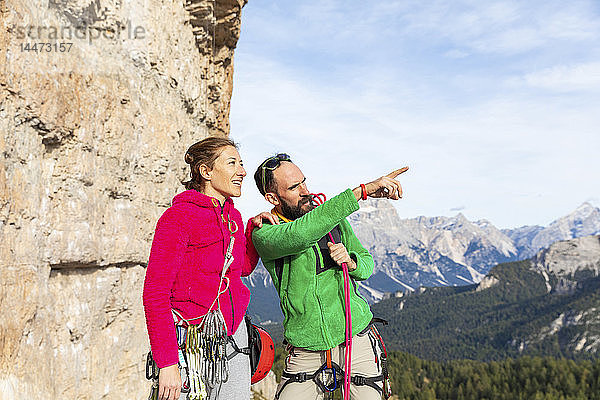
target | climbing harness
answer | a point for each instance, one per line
(318, 199)
(328, 386)
(319, 377)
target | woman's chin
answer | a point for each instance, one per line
(237, 192)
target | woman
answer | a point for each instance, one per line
(183, 278)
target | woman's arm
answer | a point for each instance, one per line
(168, 246)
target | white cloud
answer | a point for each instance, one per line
(565, 77)
(504, 26)
(413, 83)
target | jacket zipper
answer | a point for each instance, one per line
(318, 263)
(225, 249)
(356, 290)
(232, 311)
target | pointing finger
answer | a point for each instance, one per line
(397, 172)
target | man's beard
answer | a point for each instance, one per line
(295, 212)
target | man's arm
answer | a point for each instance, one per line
(278, 241)
(275, 241)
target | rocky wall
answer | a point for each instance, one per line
(94, 123)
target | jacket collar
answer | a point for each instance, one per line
(281, 217)
(201, 200)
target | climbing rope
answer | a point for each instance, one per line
(318, 199)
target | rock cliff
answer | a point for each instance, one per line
(98, 101)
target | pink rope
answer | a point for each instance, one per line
(348, 353)
(320, 199)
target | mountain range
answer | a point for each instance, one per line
(450, 251)
(546, 305)
(432, 251)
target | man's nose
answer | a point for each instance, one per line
(304, 190)
(242, 171)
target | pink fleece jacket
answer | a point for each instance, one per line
(184, 269)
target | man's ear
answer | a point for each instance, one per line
(272, 198)
(205, 172)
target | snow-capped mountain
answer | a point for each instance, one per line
(546, 305)
(264, 303)
(584, 221)
(423, 251)
(450, 251)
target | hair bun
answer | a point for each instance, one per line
(189, 158)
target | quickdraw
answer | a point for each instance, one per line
(205, 351)
(387, 387)
(152, 374)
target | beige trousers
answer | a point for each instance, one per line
(363, 364)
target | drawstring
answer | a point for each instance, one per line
(318, 199)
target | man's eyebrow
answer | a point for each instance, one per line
(297, 184)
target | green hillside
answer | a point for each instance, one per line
(510, 319)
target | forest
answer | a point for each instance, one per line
(525, 377)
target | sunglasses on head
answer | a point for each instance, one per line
(271, 164)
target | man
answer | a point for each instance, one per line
(305, 268)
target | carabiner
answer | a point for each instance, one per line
(334, 383)
(232, 230)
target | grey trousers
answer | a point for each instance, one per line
(237, 386)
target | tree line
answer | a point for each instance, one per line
(531, 378)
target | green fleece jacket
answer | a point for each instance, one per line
(312, 296)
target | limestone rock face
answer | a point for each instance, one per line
(568, 257)
(93, 129)
(568, 262)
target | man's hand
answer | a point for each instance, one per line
(258, 220)
(340, 255)
(169, 383)
(386, 186)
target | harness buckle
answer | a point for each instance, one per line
(359, 380)
(301, 377)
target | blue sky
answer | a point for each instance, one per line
(494, 105)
